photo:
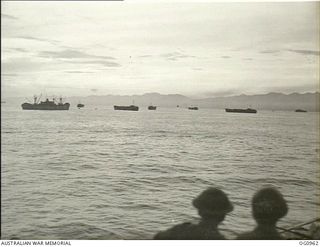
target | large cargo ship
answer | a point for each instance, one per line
(50, 105)
(126, 108)
(248, 110)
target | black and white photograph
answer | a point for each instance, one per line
(160, 120)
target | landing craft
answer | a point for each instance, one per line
(152, 107)
(126, 108)
(248, 110)
(193, 108)
(80, 105)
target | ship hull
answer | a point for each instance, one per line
(193, 108)
(241, 110)
(152, 107)
(126, 108)
(59, 107)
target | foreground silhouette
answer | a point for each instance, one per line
(213, 205)
(268, 206)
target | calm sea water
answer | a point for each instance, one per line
(105, 174)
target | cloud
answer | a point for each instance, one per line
(225, 57)
(77, 72)
(145, 56)
(101, 62)
(94, 90)
(305, 87)
(21, 65)
(306, 52)
(173, 56)
(39, 39)
(13, 51)
(78, 57)
(303, 52)
(19, 49)
(9, 74)
(248, 58)
(8, 17)
(270, 51)
(69, 54)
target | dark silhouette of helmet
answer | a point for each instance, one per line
(213, 201)
(268, 205)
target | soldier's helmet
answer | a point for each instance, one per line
(213, 201)
(268, 205)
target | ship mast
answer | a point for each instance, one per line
(36, 99)
(39, 98)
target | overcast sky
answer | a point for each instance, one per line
(208, 49)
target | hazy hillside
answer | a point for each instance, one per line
(141, 100)
(270, 101)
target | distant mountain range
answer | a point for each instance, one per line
(270, 101)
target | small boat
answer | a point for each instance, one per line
(45, 105)
(126, 108)
(248, 110)
(151, 107)
(193, 108)
(300, 110)
(80, 105)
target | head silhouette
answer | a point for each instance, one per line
(213, 203)
(268, 206)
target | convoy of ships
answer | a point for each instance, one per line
(59, 105)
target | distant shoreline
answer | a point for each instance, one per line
(269, 101)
